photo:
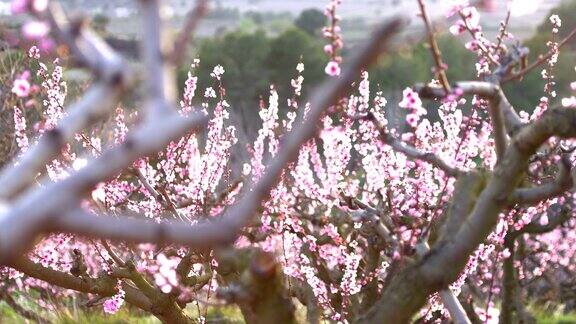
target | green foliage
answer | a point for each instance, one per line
(123, 316)
(126, 315)
(287, 50)
(548, 316)
(566, 11)
(242, 55)
(311, 21)
(412, 63)
(526, 94)
(8, 315)
(254, 61)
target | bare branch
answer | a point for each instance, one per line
(160, 86)
(190, 24)
(541, 59)
(557, 214)
(546, 191)
(20, 310)
(450, 301)
(24, 220)
(102, 286)
(481, 45)
(86, 47)
(436, 54)
(442, 265)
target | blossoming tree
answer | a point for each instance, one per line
(337, 211)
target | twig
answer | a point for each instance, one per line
(436, 54)
(190, 25)
(541, 59)
(483, 48)
(546, 191)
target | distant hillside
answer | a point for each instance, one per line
(229, 13)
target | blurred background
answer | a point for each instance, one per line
(260, 42)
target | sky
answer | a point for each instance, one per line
(354, 8)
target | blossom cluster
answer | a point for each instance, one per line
(332, 33)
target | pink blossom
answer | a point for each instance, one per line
(556, 21)
(113, 304)
(20, 130)
(332, 68)
(19, 6)
(300, 67)
(410, 99)
(34, 52)
(472, 45)
(412, 119)
(472, 17)
(47, 45)
(569, 102)
(458, 28)
(22, 6)
(217, 72)
(456, 6)
(35, 30)
(166, 277)
(21, 87)
(210, 93)
(39, 5)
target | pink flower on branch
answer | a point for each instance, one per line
(332, 68)
(410, 99)
(113, 304)
(22, 86)
(22, 6)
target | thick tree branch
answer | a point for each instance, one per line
(20, 310)
(102, 286)
(450, 301)
(549, 190)
(25, 219)
(160, 83)
(409, 290)
(511, 299)
(487, 90)
(188, 29)
(86, 47)
(436, 54)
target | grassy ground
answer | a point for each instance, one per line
(223, 315)
(546, 316)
